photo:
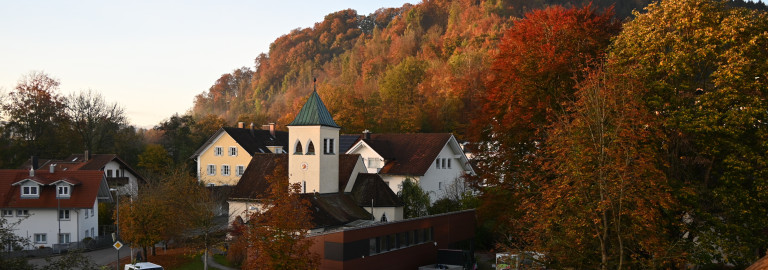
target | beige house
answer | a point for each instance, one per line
(222, 160)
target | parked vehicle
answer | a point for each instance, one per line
(143, 266)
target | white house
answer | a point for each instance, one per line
(436, 161)
(52, 207)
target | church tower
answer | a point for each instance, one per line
(313, 148)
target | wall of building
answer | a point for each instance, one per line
(393, 213)
(132, 187)
(45, 221)
(373, 162)
(437, 180)
(209, 157)
(351, 249)
(306, 169)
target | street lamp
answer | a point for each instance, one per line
(117, 226)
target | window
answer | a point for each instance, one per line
(217, 151)
(328, 146)
(373, 246)
(232, 151)
(64, 214)
(109, 173)
(22, 213)
(86, 233)
(29, 191)
(211, 169)
(304, 186)
(384, 217)
(240, 170)
(63, 238)
(443, 163)
(41, 238)
(440, 185)
(63, 191)
(297, 149)
(373, 163)
(92, 211)
(310, 148)
(449, 163)
(437, 163)
(225, 170)
(7, 213)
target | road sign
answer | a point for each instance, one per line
(117, 245)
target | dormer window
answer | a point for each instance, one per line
(30, 191)
(62, 191)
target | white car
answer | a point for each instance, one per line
(143, 266)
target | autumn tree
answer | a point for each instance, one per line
(95, 121)
(602, 200)
(36, 116)
(278, 232)
(532, 77)
(705, 64)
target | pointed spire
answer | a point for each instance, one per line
(314, 113)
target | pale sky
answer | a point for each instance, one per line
(151, 57)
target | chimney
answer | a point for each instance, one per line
(52, 168)
(271, 127)
(34, 163)
(252, 134)
(366, 134)
(240, 124)
(31, 172)
(87, 156)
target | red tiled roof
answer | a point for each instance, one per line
(83, 194)
(761, 264)
(408, 154)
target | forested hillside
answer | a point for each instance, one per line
(414, 68)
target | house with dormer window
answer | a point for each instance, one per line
(53, 206)
(221, 161)
(435, 161)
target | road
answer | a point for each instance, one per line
(99, 257)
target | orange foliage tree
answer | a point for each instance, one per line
(601, 200)
(278, 232)
(532, 77)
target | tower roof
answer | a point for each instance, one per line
(314, 113)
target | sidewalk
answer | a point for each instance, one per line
(214, 264)
(99, 257)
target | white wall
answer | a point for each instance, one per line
(45, 221)
(393, 213)
(242, 209)
(366, 153)
(133, 183)
(435, 181)
(321, 173)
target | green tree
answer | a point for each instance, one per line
(415, 199)
(400, 93)
(705, 66)
(155, 160)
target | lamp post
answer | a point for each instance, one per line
(117, 227)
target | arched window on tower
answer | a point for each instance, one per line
(310, 148)
(298, 149)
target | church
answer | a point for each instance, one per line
(341, 191)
